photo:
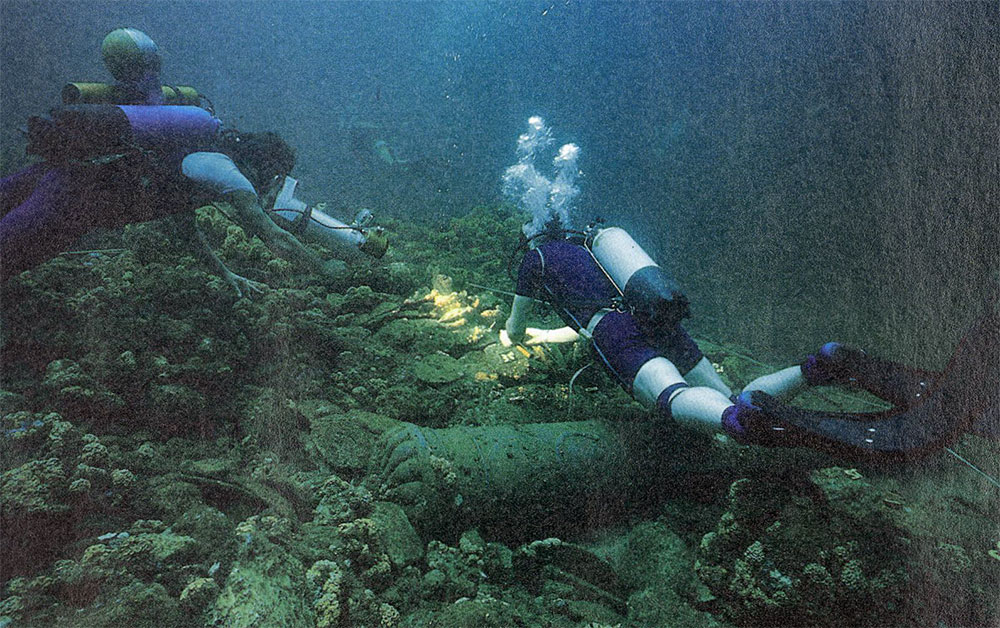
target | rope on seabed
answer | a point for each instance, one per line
(92, 251)
(989, 478)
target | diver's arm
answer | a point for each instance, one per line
(248, 212)
(221, 178)
(535, 336)
(186, 227)
(515, 328)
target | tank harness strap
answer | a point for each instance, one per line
(300, 222)
(552, 298)
(588, 332)
(618, 303)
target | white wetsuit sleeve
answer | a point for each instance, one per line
(518, 319)
(215, 172)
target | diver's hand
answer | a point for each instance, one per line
(535, 336)
(244, 287)
(507, 341)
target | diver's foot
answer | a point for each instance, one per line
(831, 365)
(748, 422)
(738, 418)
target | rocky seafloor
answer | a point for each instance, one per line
(173, 455)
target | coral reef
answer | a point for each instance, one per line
(172, 454)
(829, 548)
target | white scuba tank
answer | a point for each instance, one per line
(619, 254)
(322, 226)
(652, 295)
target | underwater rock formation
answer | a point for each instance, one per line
(172, 455)
(831, 549)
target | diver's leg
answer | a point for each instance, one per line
(699, 404)
(16, 188)
(821, 368)
(704, 374)
(677, 345)
(837, 364)
(650, 378)
(784, 383)
(48, 221)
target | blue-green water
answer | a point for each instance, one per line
(807, 171)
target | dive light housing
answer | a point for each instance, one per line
(326, 228)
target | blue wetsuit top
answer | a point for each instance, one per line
(566, 275)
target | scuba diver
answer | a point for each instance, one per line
(609, 291)
(137, 150)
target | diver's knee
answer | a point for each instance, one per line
(701, 404)
(652, 378)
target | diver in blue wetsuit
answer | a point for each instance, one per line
(638, 338)
(608, 290)
(136, 151)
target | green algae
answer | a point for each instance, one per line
(438, 368)
(231, 439)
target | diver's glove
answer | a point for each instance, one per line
(244, 287)
(748, 423)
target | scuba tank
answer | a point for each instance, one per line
(652, 296)
(105, 94)
(98, 119)
(89, 131)
(327, 229)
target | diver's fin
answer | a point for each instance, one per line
(968, 388)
